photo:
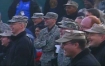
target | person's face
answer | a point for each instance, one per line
(5, 40)
(94, 39)
(78, 21)
(16, 27)
(37, 31)
(87, 4)
(70, 10)
(49, 21)
(68, 49)
(37, 20)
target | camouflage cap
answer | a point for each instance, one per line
(18, 18)
(6, 33)
(97, 28)
(72, 3)
(3, 27)
(70, 35)
(51, 15)
(69, 24)
(38, 15)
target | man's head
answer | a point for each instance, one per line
(96, 34)
(18, 24)
(50, 18)
(68, 24)
(88, 22)
(92, 12)
(89, 3)
(73, 42)
(37, 18)
(5, 37)
(71, 7)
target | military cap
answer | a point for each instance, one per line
(6, 33)
(97, 28)
(72, 3)
(63, 19)
(18, 18)
(69, 24)
(70, 35)
(3, 27)
(51, 15)
(38, 15)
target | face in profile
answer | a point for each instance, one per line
(37, 31)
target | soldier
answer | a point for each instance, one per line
(21, 52)
(47, 37)
(96, 37)
(74, 44)
(37, 18)
(66, 24)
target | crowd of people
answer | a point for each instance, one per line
(62, 35)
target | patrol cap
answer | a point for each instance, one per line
(69, 24)
(38, 15)
(97, 28)
(70, 35)
(72, 3)
(51, 15)
(18, 18)
(3, 27)
(6, 33)
(63, 19)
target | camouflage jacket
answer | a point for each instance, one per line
(62, 59)
(46, 42)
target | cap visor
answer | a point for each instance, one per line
(61, 26)
(61, 40)
(34, 17)
(2, 34)
(11, 21)
(91, 31)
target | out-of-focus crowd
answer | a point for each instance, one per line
(63, 34)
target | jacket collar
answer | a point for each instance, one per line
(18, 36)
(80, 55)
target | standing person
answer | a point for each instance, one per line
(96, 37)
(74, 44)
(71, 8)
(38, 20)
(6, 44)
(22, 50)
(26, 7)
(56, 6)
(66, 24)
(46, 39)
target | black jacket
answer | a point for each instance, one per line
(32, 28)
(99, 53)
(84, 58)
(22, 51)
(34, 7)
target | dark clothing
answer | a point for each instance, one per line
(99, 53)
(84, 58)
(4, 53)
(59, 9)
(32, 28)
(33, 8)
(22, 51)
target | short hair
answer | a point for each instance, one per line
(81, 42)
(94, 12)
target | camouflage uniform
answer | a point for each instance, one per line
(68, 24)
(46, 41)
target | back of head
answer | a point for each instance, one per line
(94, 12)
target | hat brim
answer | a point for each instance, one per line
(11, 21)
(62, 26)
(91, 31)
(46, 17)
(61, 40)
(2, 34)
(34, 17)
